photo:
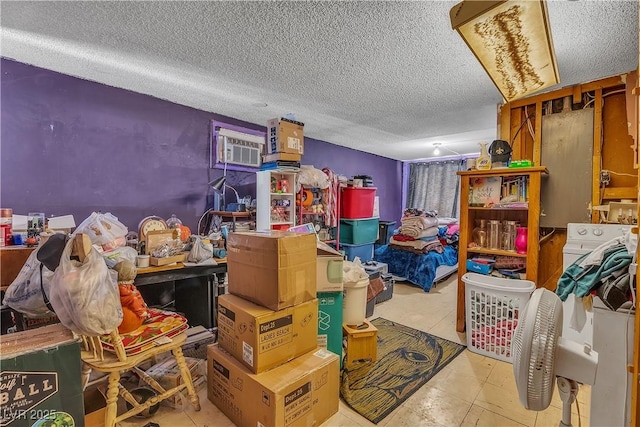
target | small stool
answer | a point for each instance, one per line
(362, 344)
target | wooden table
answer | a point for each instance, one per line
(196, 288)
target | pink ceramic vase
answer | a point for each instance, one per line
(521, 240)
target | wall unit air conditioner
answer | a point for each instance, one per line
(238, 148)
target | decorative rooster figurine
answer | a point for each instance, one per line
(134, 309)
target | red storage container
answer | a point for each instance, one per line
(357, 202)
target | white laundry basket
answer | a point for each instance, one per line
(492, 308)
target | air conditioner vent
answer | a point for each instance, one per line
(239, 148)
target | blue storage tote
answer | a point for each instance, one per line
(358, 231)
(364, 252)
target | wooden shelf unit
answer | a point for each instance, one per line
(267, 198)
(529, 217)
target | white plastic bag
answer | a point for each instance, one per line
(200, 251)
(101, 228)
(24, 294)
(85, 295)
(353, 271)
(125, 253)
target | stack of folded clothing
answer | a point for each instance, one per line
(418, 232)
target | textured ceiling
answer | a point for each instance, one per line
(389, 78)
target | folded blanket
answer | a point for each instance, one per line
(416, 244)
(428, 232)
(447, 221)
(420, 221)
(452, 229)
(410, 230)
(435, 246)
(402, 237)
(419, 212)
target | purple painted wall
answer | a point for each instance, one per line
(71, 146)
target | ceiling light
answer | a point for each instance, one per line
(436, 151)
(511, 39)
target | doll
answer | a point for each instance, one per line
(134, 309)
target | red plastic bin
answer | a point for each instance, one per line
(281, 227)
(357, 202)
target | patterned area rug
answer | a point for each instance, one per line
(407, 359)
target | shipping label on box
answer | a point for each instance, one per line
(302, 392)
(262, 338)
(40, 378)
(276, 269)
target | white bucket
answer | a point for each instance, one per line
(354, 304)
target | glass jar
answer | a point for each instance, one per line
(509, 235)
(479, 234)
(494, 234)
(175, 223)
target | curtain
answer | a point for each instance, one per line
(435, 185)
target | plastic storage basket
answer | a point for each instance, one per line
(357, 202)
(492, 310)
(364, 252)
(358, 231)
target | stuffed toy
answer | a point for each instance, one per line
(134, 309)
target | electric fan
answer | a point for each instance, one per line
(541, 355)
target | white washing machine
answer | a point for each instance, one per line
(609, 332)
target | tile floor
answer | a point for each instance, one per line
(473, 390)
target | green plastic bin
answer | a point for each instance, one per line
(358, 231)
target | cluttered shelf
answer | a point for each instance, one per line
(487, 251)
(499, 208)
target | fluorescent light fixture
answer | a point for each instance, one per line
(512, 41)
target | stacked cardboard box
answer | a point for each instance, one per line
(285, 141)
(266, 368)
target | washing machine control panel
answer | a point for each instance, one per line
(595, 232)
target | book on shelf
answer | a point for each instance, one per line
(485, 191)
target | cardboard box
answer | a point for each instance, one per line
(285, 136)
(330, 322)
(287, 157)
(167, 374)
(303, 392)
(276, 269)
(40, 377)
(329, 268)
(261, 338)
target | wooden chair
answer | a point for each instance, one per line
(94, 356)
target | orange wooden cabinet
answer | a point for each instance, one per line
(528, 216)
